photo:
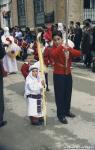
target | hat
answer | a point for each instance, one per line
(37, 64)
(32, 67)
(6, 29)
(60, 26)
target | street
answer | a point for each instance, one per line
(79, 133)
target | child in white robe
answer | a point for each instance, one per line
(33, 90)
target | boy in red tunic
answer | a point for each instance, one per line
(25, 66)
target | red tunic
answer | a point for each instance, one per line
(47, 56)
(36, 57)
(25, 69)
(48, 35)
(58, 56)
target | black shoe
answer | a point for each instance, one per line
(41, 120)
(71, 115)
(3, 123)
(37, 123)
(63, 120)
(47, 89)
(88, 66)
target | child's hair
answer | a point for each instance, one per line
(78, 23)
(57, 33)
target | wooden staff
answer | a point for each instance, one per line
(66, 18)
(42, 74)
(66, 52)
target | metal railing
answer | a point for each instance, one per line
(89, 13)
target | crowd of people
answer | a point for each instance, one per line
(58, 54)
(81, 36)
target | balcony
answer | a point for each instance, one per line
(89, 13)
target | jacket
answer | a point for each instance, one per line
(2, 54)
(59, 58)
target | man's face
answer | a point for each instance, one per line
(57, 40)
(76, 25)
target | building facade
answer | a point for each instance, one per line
(5, 13)
(38, 12)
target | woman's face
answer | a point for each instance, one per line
(35, 72)
(57, 40)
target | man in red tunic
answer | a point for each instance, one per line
(62, 57)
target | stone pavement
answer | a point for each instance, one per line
(20, 135)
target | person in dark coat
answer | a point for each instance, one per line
(77, 39)
(93, 51)
(62, 56)
(2, 53)
(86, 44)
(78, 36)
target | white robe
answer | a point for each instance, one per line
(33, 86)
(10, 65)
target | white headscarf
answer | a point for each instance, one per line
(5, 35)
(30, 76)
(36, 65)
(60, 27)
(33, 84)
(6, 31)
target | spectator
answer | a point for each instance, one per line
(78, 35)
(86, 44)
(2, 53)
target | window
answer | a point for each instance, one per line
(89, 10)
(39, 5)
(86, 4)
(92, 3)
(21, 12)
(49, 17)
(89, 4)
(39, 12)
(21, 7)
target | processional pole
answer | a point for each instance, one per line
(66, 52)
(42, 75)
(66, 18)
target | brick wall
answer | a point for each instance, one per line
(76, 10)
(29, 13)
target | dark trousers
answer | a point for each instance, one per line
(88, 59)
(63, 92)
(46, 80)
(1, 99)
(24, 54)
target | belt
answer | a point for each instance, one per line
(38, 96)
